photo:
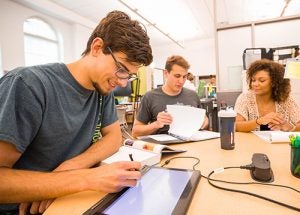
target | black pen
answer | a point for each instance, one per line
(130, 156)
(131, 159)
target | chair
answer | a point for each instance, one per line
(121, 112)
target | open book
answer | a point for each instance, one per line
(146, 153)
(153, 147)
(185, 127)
(275, 136)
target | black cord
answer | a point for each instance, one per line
(248, 193)
(249, 167)
(169, 160)
(257, 183)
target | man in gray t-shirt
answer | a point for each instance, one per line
(151, 116)
(58, 121)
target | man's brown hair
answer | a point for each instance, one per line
(178, 60)
(123, 34)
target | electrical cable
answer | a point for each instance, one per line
(169, 160)
(248, 167)
(249, 193)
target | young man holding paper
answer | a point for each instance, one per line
(152, 117)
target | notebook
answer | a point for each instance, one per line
(170, 138)
(146, 157)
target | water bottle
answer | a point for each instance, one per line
(227, 127)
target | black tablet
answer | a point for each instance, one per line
(160, 191)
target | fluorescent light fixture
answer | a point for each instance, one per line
(173, 17)
(263, 9)
(293, 8)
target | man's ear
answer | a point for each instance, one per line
(96, 47)
(166, 72)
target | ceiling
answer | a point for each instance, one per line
(169, 21)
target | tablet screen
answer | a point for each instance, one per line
(160, 191)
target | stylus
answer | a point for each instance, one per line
(131, 158)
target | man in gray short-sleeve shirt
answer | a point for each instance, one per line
(58, 121)
(151, 117)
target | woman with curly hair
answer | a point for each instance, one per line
(268, 104)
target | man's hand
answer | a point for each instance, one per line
(35, 207)
(113, 177)
(40, 206)
(163, 118)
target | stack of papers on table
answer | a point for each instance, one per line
(275, 136)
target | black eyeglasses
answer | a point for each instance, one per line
(122, 72)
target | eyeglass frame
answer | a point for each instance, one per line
(121, 69)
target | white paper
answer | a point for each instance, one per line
(275, 136)
(186, 120)
(204, 135)
(162, 137)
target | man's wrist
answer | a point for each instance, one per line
(157, 124)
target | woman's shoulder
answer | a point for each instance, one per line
(290, 101)
(248, 96)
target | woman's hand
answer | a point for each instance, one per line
(272, 119)
(286, 126)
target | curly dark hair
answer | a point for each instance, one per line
(122, 34)
(178, 60)
(281, 87)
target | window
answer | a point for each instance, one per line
(40, 42)
(1, 68)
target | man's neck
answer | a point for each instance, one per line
(169, 92)
(79, 71)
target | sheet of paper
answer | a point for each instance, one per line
(205, 135)
(275, 136)
(162, 137)
(186, 120)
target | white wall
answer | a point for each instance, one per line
(200, 54)
(232, 43)
(81, 35)
(12, 17)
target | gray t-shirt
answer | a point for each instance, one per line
(156, 101)
(49, 116)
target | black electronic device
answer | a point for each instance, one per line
(261, 170)
(160, 191)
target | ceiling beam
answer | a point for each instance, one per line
(285, 6)
(150, 23)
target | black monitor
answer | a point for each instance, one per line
(159, 191)
(123, 91)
